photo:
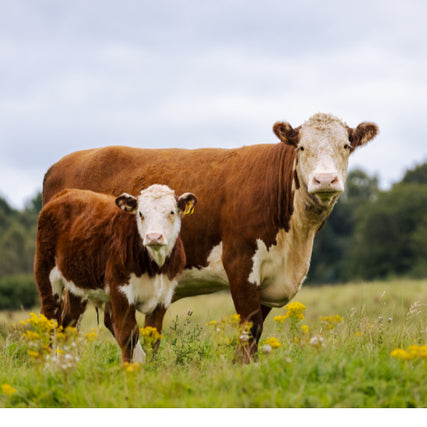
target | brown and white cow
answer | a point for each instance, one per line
(125, 259)
(259, 208)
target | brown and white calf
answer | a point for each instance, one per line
(259, 208)
(124, 259)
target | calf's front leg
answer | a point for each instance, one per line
(155, 320)
(125, 329)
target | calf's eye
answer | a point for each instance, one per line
(172, 213)
(346, 146)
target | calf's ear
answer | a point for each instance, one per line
(286, 133)
(127, 202)
(186, 203)
(363, 133)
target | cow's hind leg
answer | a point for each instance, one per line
(72, 310)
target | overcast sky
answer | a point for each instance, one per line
(89, 73)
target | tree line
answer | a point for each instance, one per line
(371, 234)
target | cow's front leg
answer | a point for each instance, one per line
(125, 328)
(155, 320)
(246, 298)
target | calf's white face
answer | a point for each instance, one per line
(324, 144)
(158, 215)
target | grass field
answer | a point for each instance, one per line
(333, 361)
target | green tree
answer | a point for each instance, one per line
(390, 236)
(417, 175)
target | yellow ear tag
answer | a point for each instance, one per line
(189, 208)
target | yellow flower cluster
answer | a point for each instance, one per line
(412, 352)
(131, 368)
(240, 330)
(48, 344)
(272, 342)
(150, 333)
(331, 321)
(294, 311)
(151, 336)
(91, 335)
(8, 389)
(305, 329)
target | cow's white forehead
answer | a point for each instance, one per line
(157, 196)
(323, 121)
(323, 130)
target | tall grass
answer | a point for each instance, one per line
(328, 363)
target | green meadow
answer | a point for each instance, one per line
(359, 345)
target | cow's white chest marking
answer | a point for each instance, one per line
(280, 270)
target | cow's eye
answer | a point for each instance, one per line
(346, 146)
(301, 148)
(172, 213)
(141, 216)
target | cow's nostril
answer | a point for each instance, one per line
(335, 180)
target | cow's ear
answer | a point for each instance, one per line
(363, 133)
(127, 202)
(186, 203)
(286, 133)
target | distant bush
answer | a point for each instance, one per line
(18, 290)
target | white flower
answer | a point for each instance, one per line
(245, 336)
(316, 341)
(266, 348)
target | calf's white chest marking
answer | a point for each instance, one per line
(147, 292)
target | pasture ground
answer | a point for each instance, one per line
(320, 361)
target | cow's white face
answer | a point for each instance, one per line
(158, 216)
(324, 144)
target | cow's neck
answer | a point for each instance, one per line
(308, 216)
(279, 268)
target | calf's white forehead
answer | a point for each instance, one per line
(157, 199)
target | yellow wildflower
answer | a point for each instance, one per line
(295, 311)
(30, 336)
(305, 329)
(150, 333)
(8, 389)
(91, 335)
(280, 319)
(400, 354)
(273, 342)
(131, 367)
(417, 351)
(33, 353)
(331, 321)
(212, 323)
